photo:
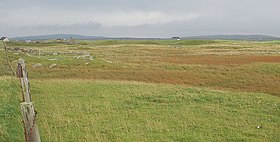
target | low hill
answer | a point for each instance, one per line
(234, 37)
(208, 37)
(76, 36)
(56, 36)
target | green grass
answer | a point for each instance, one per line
(225, 65)
(79, 110)
(11, 128)
(154, 42)
(31, 44)
(106, 99)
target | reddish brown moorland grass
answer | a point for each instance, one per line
(225, 65)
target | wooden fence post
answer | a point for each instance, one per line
(29, 120)
(22, 75)
(27, 108)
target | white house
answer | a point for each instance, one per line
(4, 39)
(27, 41)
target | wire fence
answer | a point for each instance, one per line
(28, 112)
(6, 66)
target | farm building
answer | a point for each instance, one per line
(4, 39)
(176, 38)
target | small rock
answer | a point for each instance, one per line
(52, 59)
(86, 63)
(52, 66)
(54, 53)
(258, 127)
(38, 65)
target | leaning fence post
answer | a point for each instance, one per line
(22, 75)
(31, 131)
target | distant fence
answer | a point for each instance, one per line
(27, 108)
(7, 62)
(28, 112)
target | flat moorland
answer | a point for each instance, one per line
(159, 90)
(224, 65)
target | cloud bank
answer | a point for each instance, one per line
(145, 18)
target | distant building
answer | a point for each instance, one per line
(27, 41)
(176, 38)
(4, 39)
(72, 41)
(60, 39)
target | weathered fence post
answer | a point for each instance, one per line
(22, 74)
(27, 109)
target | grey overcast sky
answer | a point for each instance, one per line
(139, 18)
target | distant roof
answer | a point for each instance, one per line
(2, 38)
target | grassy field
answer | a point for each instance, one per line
(146, 90)
(222, 65)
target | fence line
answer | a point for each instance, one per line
(31, 131)
(28, 112)
(8, 61)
